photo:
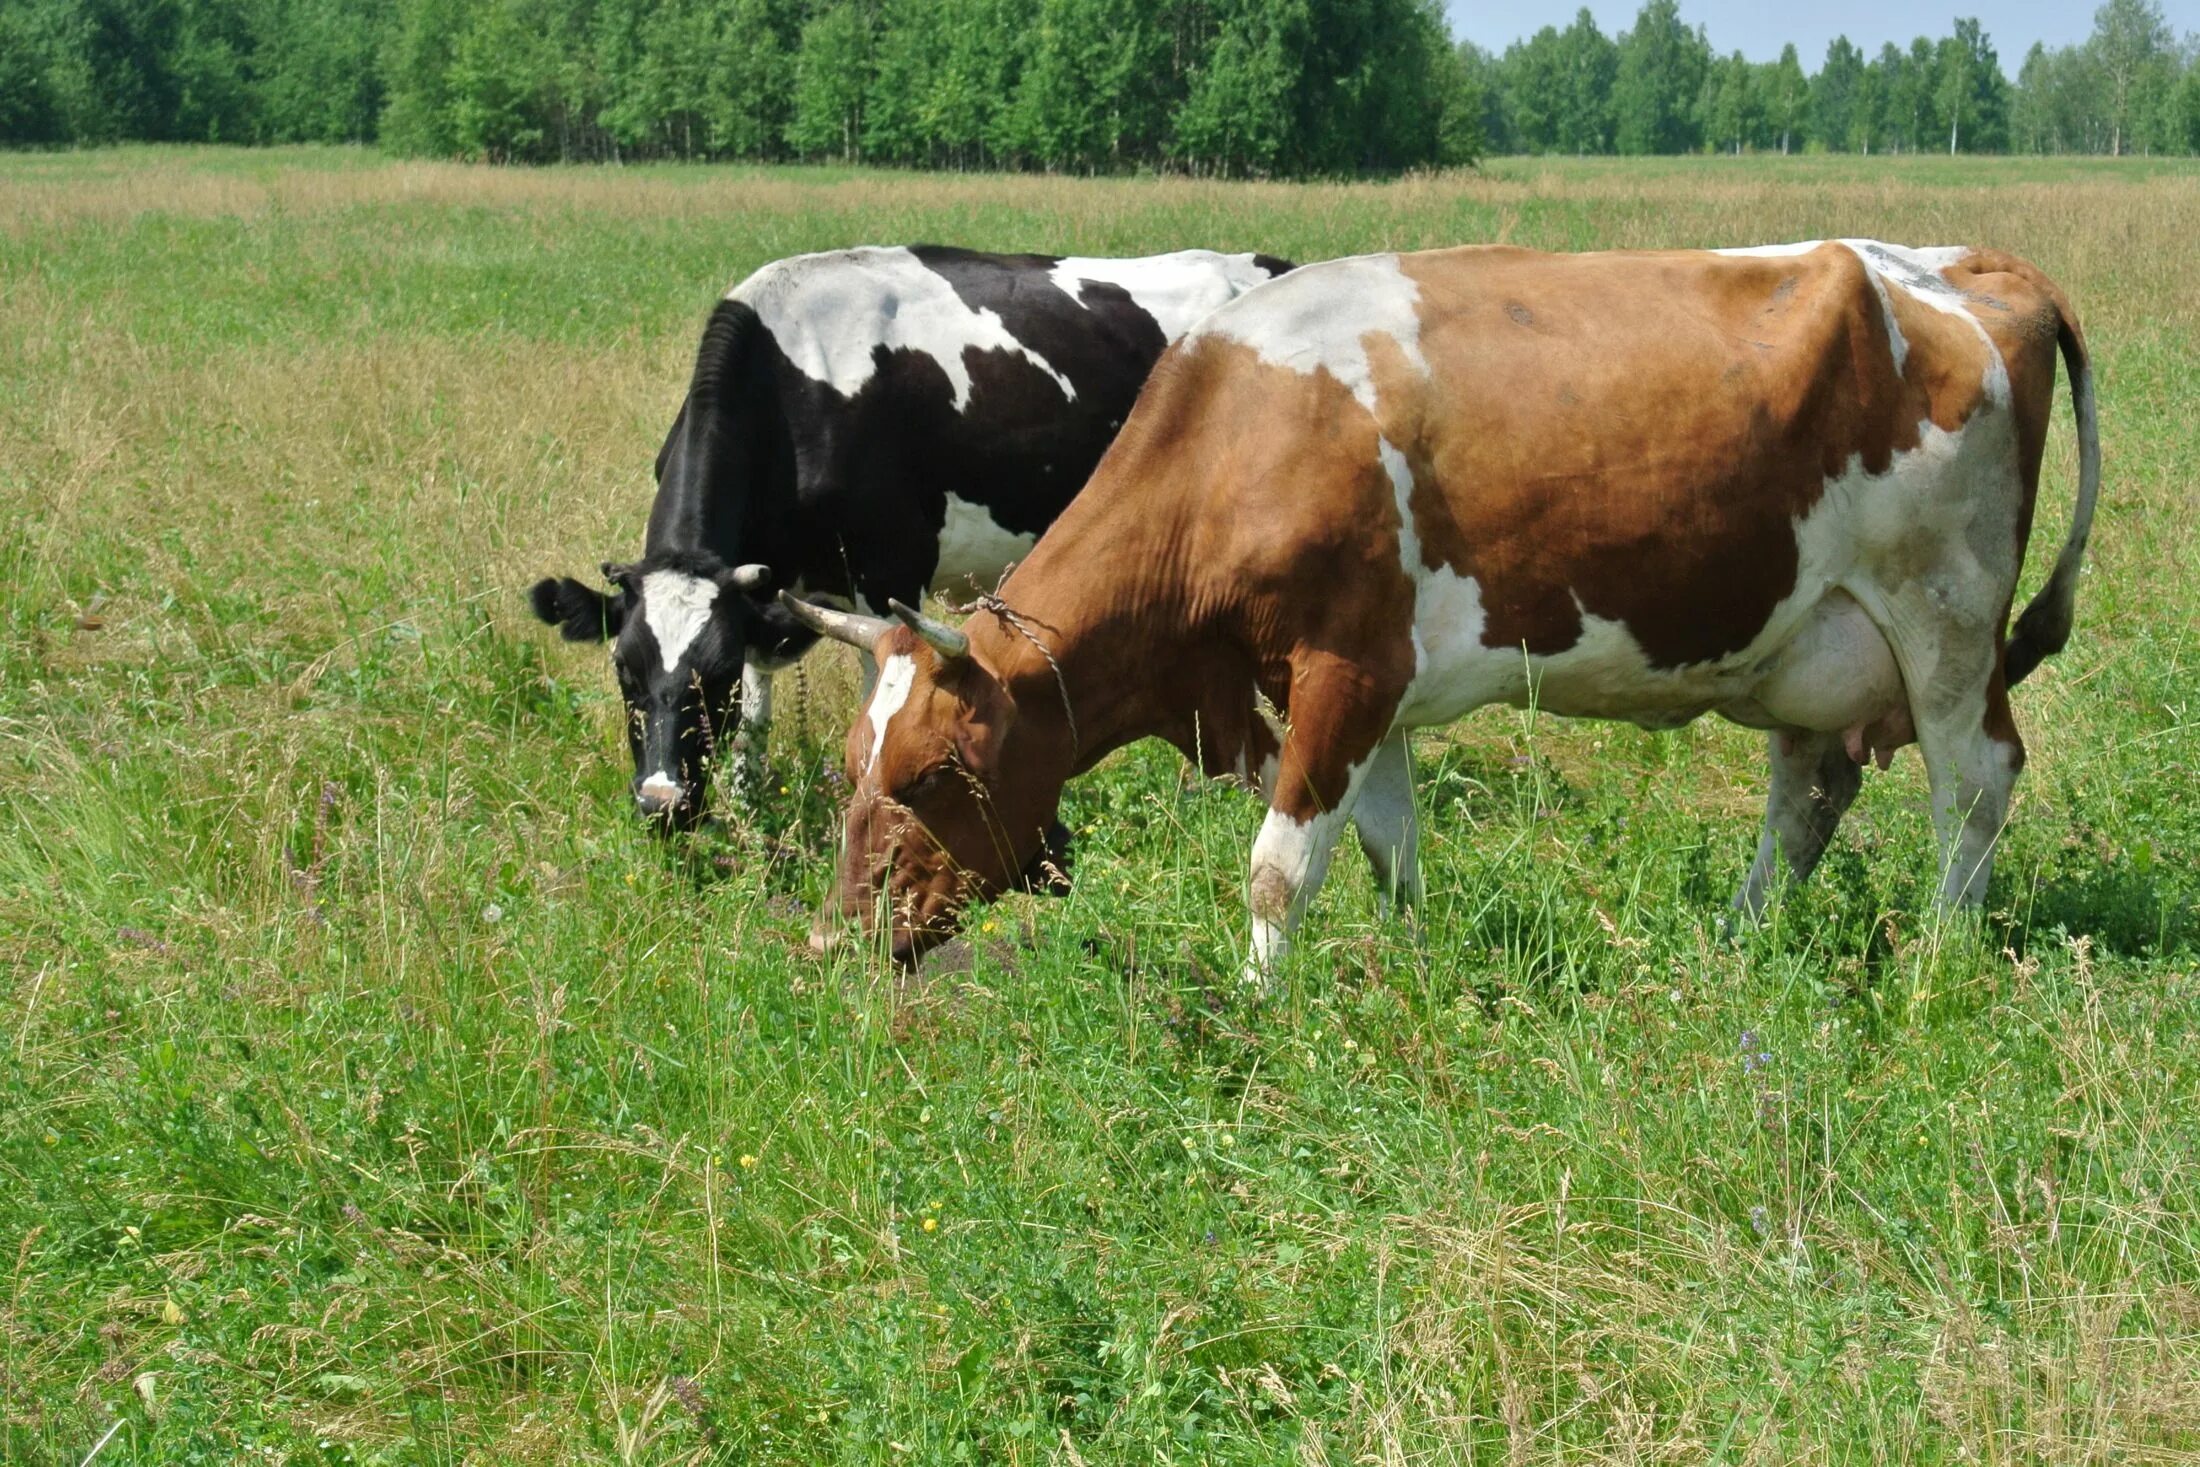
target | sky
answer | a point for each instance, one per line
(1760, 30)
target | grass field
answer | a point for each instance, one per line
(373, 1090)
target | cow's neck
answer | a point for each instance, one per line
(703, 496)
(1103, 639)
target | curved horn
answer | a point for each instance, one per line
(860, 632)
(749, 577)
(950, 642)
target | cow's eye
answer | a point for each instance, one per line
(926, 783)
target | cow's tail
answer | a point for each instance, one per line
(2045, 625)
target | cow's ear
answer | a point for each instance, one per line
(580, 613)
(984, 727)
(773, 631)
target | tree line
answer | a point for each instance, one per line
(1660, 88)
(1229, 87)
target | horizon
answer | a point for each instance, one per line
(1758, 32)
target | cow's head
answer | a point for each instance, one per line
(680, 626)
(953, 788)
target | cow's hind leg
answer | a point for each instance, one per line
(1950, 657)
(1972, 757)
(1813, 781)
(1388, 828)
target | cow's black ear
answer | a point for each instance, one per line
(1047, 872)
(773, 632)
(580, 613)
(615, 573)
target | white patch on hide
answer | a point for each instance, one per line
(1175, 289)
(830, 313)
(1319, 318)
(976, 548)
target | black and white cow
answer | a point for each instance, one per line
(862, 426)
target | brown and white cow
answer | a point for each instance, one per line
(1792, 486)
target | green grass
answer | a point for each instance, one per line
(372, 1090)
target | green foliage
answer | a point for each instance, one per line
(1261, 88)
(499, 84)
(832, 77)
(1733, 109)
(1663, 67)
(1785, 93)
(417, 118)
(1240, 116)
(1840, 107)
(1559, 89)
(1236, 86)
(1090, 98)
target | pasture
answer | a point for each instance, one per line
(373, 1090)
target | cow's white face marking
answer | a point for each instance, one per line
(975, 547)
(1175, 289)
(830, 313)
(659, 786)
(894, 682)
(676, 608)
(1319, 318)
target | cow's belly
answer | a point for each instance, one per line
(1823, 668)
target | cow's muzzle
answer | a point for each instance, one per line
(666, 802)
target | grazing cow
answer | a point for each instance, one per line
(864, 425)
(1792, 486)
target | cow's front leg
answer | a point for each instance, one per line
(752, 736)
(1333, 745)
(756, 698)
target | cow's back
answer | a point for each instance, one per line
(1656, 463)
(937, 397)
